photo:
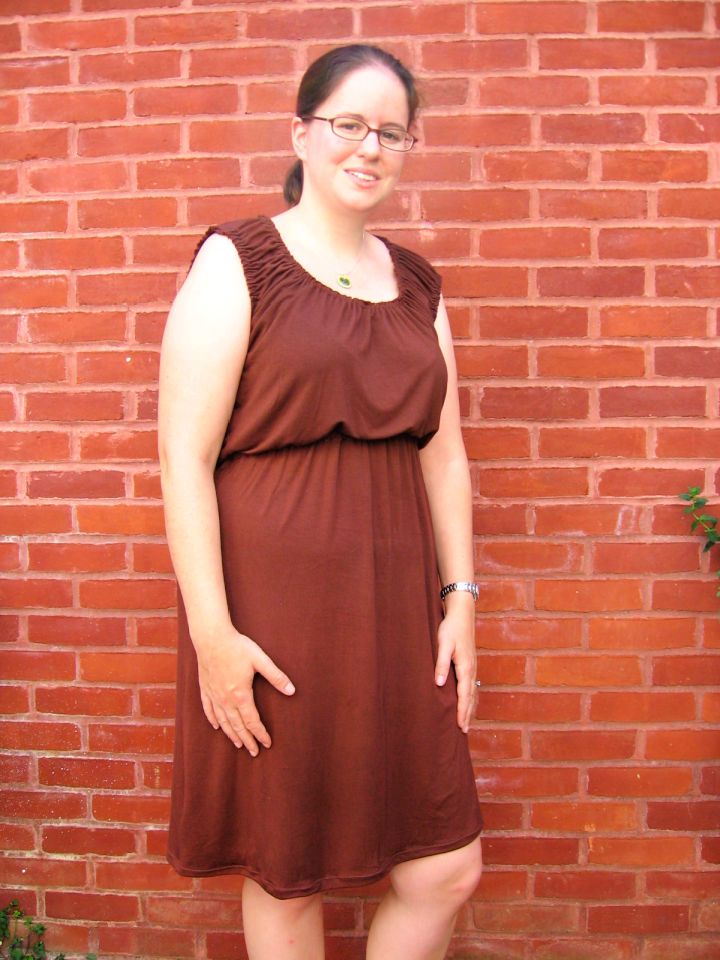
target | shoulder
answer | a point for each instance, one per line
(418, 272)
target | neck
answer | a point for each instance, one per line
(342, 234)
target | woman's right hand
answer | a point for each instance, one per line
(227, 665)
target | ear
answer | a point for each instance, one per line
(298, 135)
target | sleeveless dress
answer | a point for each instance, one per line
(330, 566)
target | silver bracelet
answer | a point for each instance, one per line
(471, 588)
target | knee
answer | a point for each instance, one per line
(449, 877)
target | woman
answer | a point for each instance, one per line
(315, 486)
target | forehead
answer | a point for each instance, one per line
(372, 92)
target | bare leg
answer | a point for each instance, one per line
(282, 929)
(415, 919)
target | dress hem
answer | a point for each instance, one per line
(325, 883)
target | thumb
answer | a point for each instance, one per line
(442, 665)
(272, 673)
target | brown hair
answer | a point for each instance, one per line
(324, 75)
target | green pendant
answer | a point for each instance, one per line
(344, 280)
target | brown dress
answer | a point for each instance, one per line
(330, 566)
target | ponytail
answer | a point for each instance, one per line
(292, 189)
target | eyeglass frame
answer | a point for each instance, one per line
(377, 130)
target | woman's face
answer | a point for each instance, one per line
(354, 175)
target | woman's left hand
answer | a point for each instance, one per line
(456, 644)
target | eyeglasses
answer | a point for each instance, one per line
(350, 128)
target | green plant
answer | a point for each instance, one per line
(696, 504)
(21, 938)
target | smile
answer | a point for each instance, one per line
(362, 177)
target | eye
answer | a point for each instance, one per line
(395, 137)
(348, 125)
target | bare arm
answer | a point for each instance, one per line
(203, 353)
(447, 481)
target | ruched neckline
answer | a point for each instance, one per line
(305, 274)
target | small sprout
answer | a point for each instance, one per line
(705, 521)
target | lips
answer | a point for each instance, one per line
(364, 177)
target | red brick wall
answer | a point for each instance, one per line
(566, 187)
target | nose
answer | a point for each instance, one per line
(370, 146)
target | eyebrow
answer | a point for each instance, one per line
(359, 116)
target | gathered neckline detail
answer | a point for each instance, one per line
(285, 250)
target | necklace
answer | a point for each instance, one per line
(344, 280)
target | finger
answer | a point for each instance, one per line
(251, 719)
(442, 665)
(233, 727)
(209, 710)
(272, 673)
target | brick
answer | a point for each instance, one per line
(34, 291)
(190, 173)
(408, 21)
(129, 67)
(147, 486)
(44, 871)
(592, 817)
(593, 204)
(475, 205)
(186, 100)
(587, 671)
(638, 919)
(684, 595)
(536, 403)
(25, 520)
(641, 851)
(710, 847)
(699, 815)
(87, 484)
(528, 918)
(74, 252)
(76, 630)
(528, 633)
(78, 34)
(157, 702)
(652, 243)
(471, 56)
(131, 809)
(83, 701)
(472, 281)
(590, 281)
(652, 321)
(85, 106)
(497, 557)
(15, 769)
(644, 482)
(84, 840)
(151, 558)
(35, 593)
(530, 18)
(478, 131)
(588, 596)
(682, 744)
(141, 668)
(9, 556)
(653, 91)
(152, 941)
(650, 16)
(23, 72)
(37, 735)
(540, 91)
(129, 212)
(580, 744)
(694, 52)
(287, 25)
(644, 166)
(41, 805)
(584, 885)
(32, 665)
(651, 633)
(112, 288)
(9, 110)
(124, 519)
(686, 670)
(689, 128)
(91, 906)
(86, 772)
(546, 851)
(433, 168)
(491, 361)
(586, 442)
(16, 837)
(651, 401)
(132, 445)
(213, 208)
(638, 558)
(255, 61)
(498, 519)
(590, 362)
(535, 322)
(189, 28)
(76, 326)
(135, 594)
(130, 738)
(533, 243)
(9, 629)
(528, 483)
(690, 362)
(535, 707)
(689, 202)
(76, 558)
(683, 884)
(642, 707)
(84, 406)
(109, 141)
(590, 54)
(224, 136)
(537, 165)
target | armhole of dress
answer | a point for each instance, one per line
(242, 256)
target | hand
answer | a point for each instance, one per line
(456, 644)
(227, 664)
